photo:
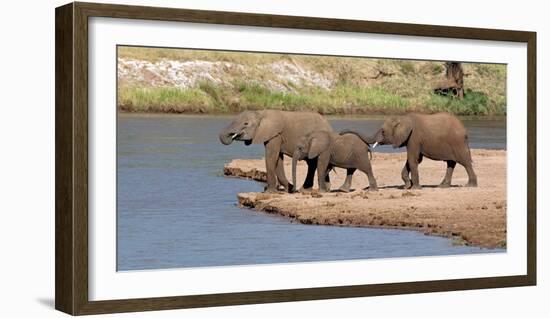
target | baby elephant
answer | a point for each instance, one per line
(334, 150)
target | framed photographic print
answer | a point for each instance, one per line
(219, 158)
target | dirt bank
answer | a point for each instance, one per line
(473, 216)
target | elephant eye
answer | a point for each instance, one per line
(246, 124)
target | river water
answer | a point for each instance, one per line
(175, 209)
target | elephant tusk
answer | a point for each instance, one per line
(375, 144)
(234, 136)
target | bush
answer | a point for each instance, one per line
(474, 103)
(407, 67)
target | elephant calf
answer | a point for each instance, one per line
(333, 150)
(438, 137)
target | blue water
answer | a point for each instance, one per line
(175, 209)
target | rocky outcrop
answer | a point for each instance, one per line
(278, 76)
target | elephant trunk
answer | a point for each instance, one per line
(378, 138)
(366, 139)
(226, 137)
(295, 158)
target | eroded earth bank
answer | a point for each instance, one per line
(472, 216)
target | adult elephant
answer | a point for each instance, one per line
(279, 131)
(437, 136)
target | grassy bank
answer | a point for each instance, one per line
(187, 81)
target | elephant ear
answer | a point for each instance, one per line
(270, 126)
(318, 143)
(402, 128)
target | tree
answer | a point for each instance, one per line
(454, 81)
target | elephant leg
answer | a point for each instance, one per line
(405, 175)
(465, 159)
(448, 175)
(472, 178)
(327, 179)
(280, 172)
(322, 172)
(347, 184)
(311, 167)
(366, 167)
(272, 149)
(414, 158)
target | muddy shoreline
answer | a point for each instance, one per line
(471, 216)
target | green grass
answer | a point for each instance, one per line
(407, 86)
(210, 98)
(164, 99)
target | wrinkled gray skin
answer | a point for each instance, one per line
(438, 137)
(279, 131)
(333, 150)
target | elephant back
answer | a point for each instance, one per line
(300, 124)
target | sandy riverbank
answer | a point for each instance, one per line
(473, 216)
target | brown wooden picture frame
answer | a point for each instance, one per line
(71, 154)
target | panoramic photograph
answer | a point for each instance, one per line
(231, 158)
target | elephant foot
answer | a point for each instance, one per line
(270, 190)
(373, 189)
(408, 185)
(416, 187)
(472, 184)
(291, 188)
(344, 189)
(305, 190)
(444, 185)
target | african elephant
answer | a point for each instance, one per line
(279, 131)
(437, 136)
(334, 150)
